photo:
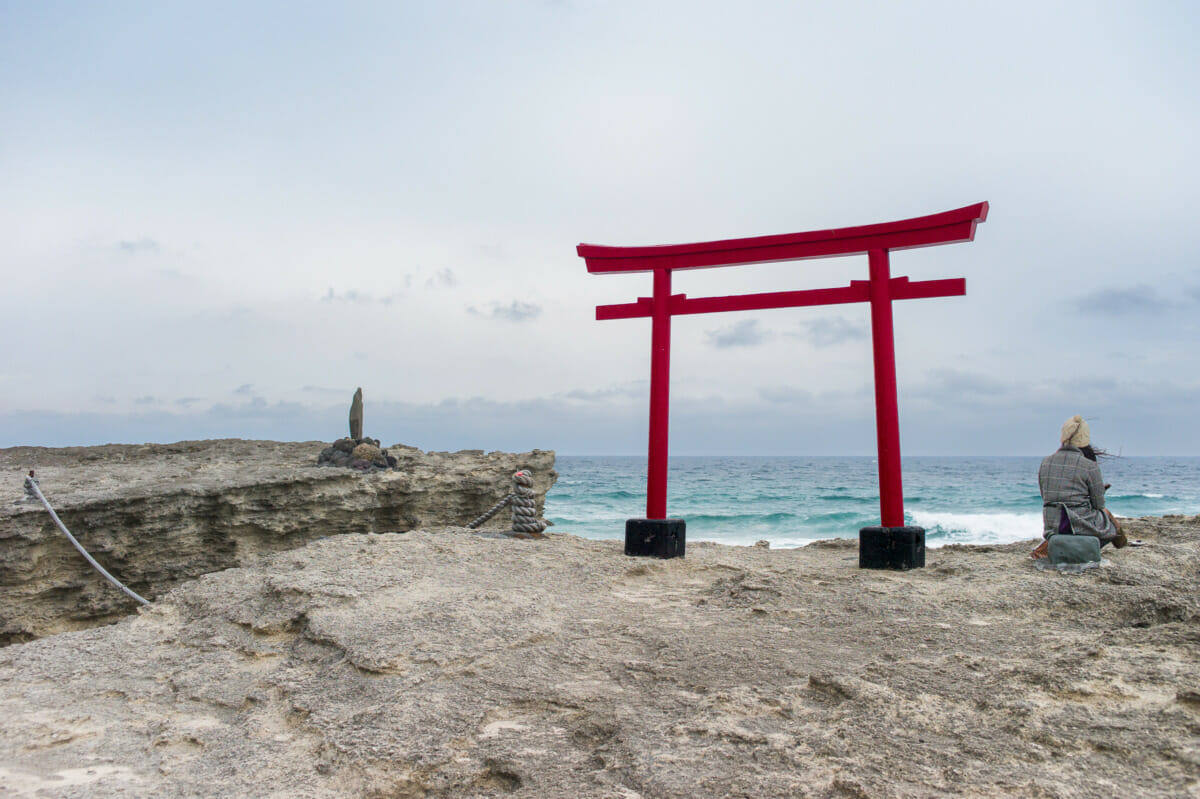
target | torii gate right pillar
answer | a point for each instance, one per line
(890, 545)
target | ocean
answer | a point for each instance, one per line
(790, 501)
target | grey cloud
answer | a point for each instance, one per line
(1085, 386)
(187, 402)
(743, 334)
(956, 383)
(627, 391)
(354, 297)
(831, 330)
(1139, 299)
(279, 422)
(444, 279)
(785, 395)
(490, 250)
(1136, 418)
(140, 246)
(146, 400)
(238, 313)
(516, 311)
(324, 390)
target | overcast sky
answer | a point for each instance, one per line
(219, 219)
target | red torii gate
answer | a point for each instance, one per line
(880, 290)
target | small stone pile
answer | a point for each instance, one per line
(357, 451)
(363, 454)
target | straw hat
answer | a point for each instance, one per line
(1075, 432)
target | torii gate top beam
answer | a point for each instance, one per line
(923, 231)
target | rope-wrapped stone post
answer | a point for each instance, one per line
(30, 482)
(524, 506)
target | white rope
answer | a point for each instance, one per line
(31, 486)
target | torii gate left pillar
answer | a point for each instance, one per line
(890, 545)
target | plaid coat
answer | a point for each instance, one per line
(1071, 484)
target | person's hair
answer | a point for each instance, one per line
(1094, 453)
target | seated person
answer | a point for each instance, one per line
(1073, 490)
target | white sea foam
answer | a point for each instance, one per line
(977, 528)
(776, 542)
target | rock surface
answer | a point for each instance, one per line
(363, 454)
(157, 514)
(366, 452)
(443, 663)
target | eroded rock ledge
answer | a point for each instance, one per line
(157, 514)
(441, 663)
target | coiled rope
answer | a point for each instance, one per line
(490, 512)
(524, 506)
(31, 487)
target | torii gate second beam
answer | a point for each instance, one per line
(876, 241)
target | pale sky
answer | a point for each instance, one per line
(219, 219)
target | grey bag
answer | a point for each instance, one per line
(1074, 549)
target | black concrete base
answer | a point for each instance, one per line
(891, 548)
(660, 538)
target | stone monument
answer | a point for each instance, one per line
(357, 451)
(356, 416)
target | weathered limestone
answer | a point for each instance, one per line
(154, 515)
(441, 663)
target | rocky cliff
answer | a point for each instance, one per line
(155, 515)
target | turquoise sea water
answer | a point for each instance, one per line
(790, 501)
